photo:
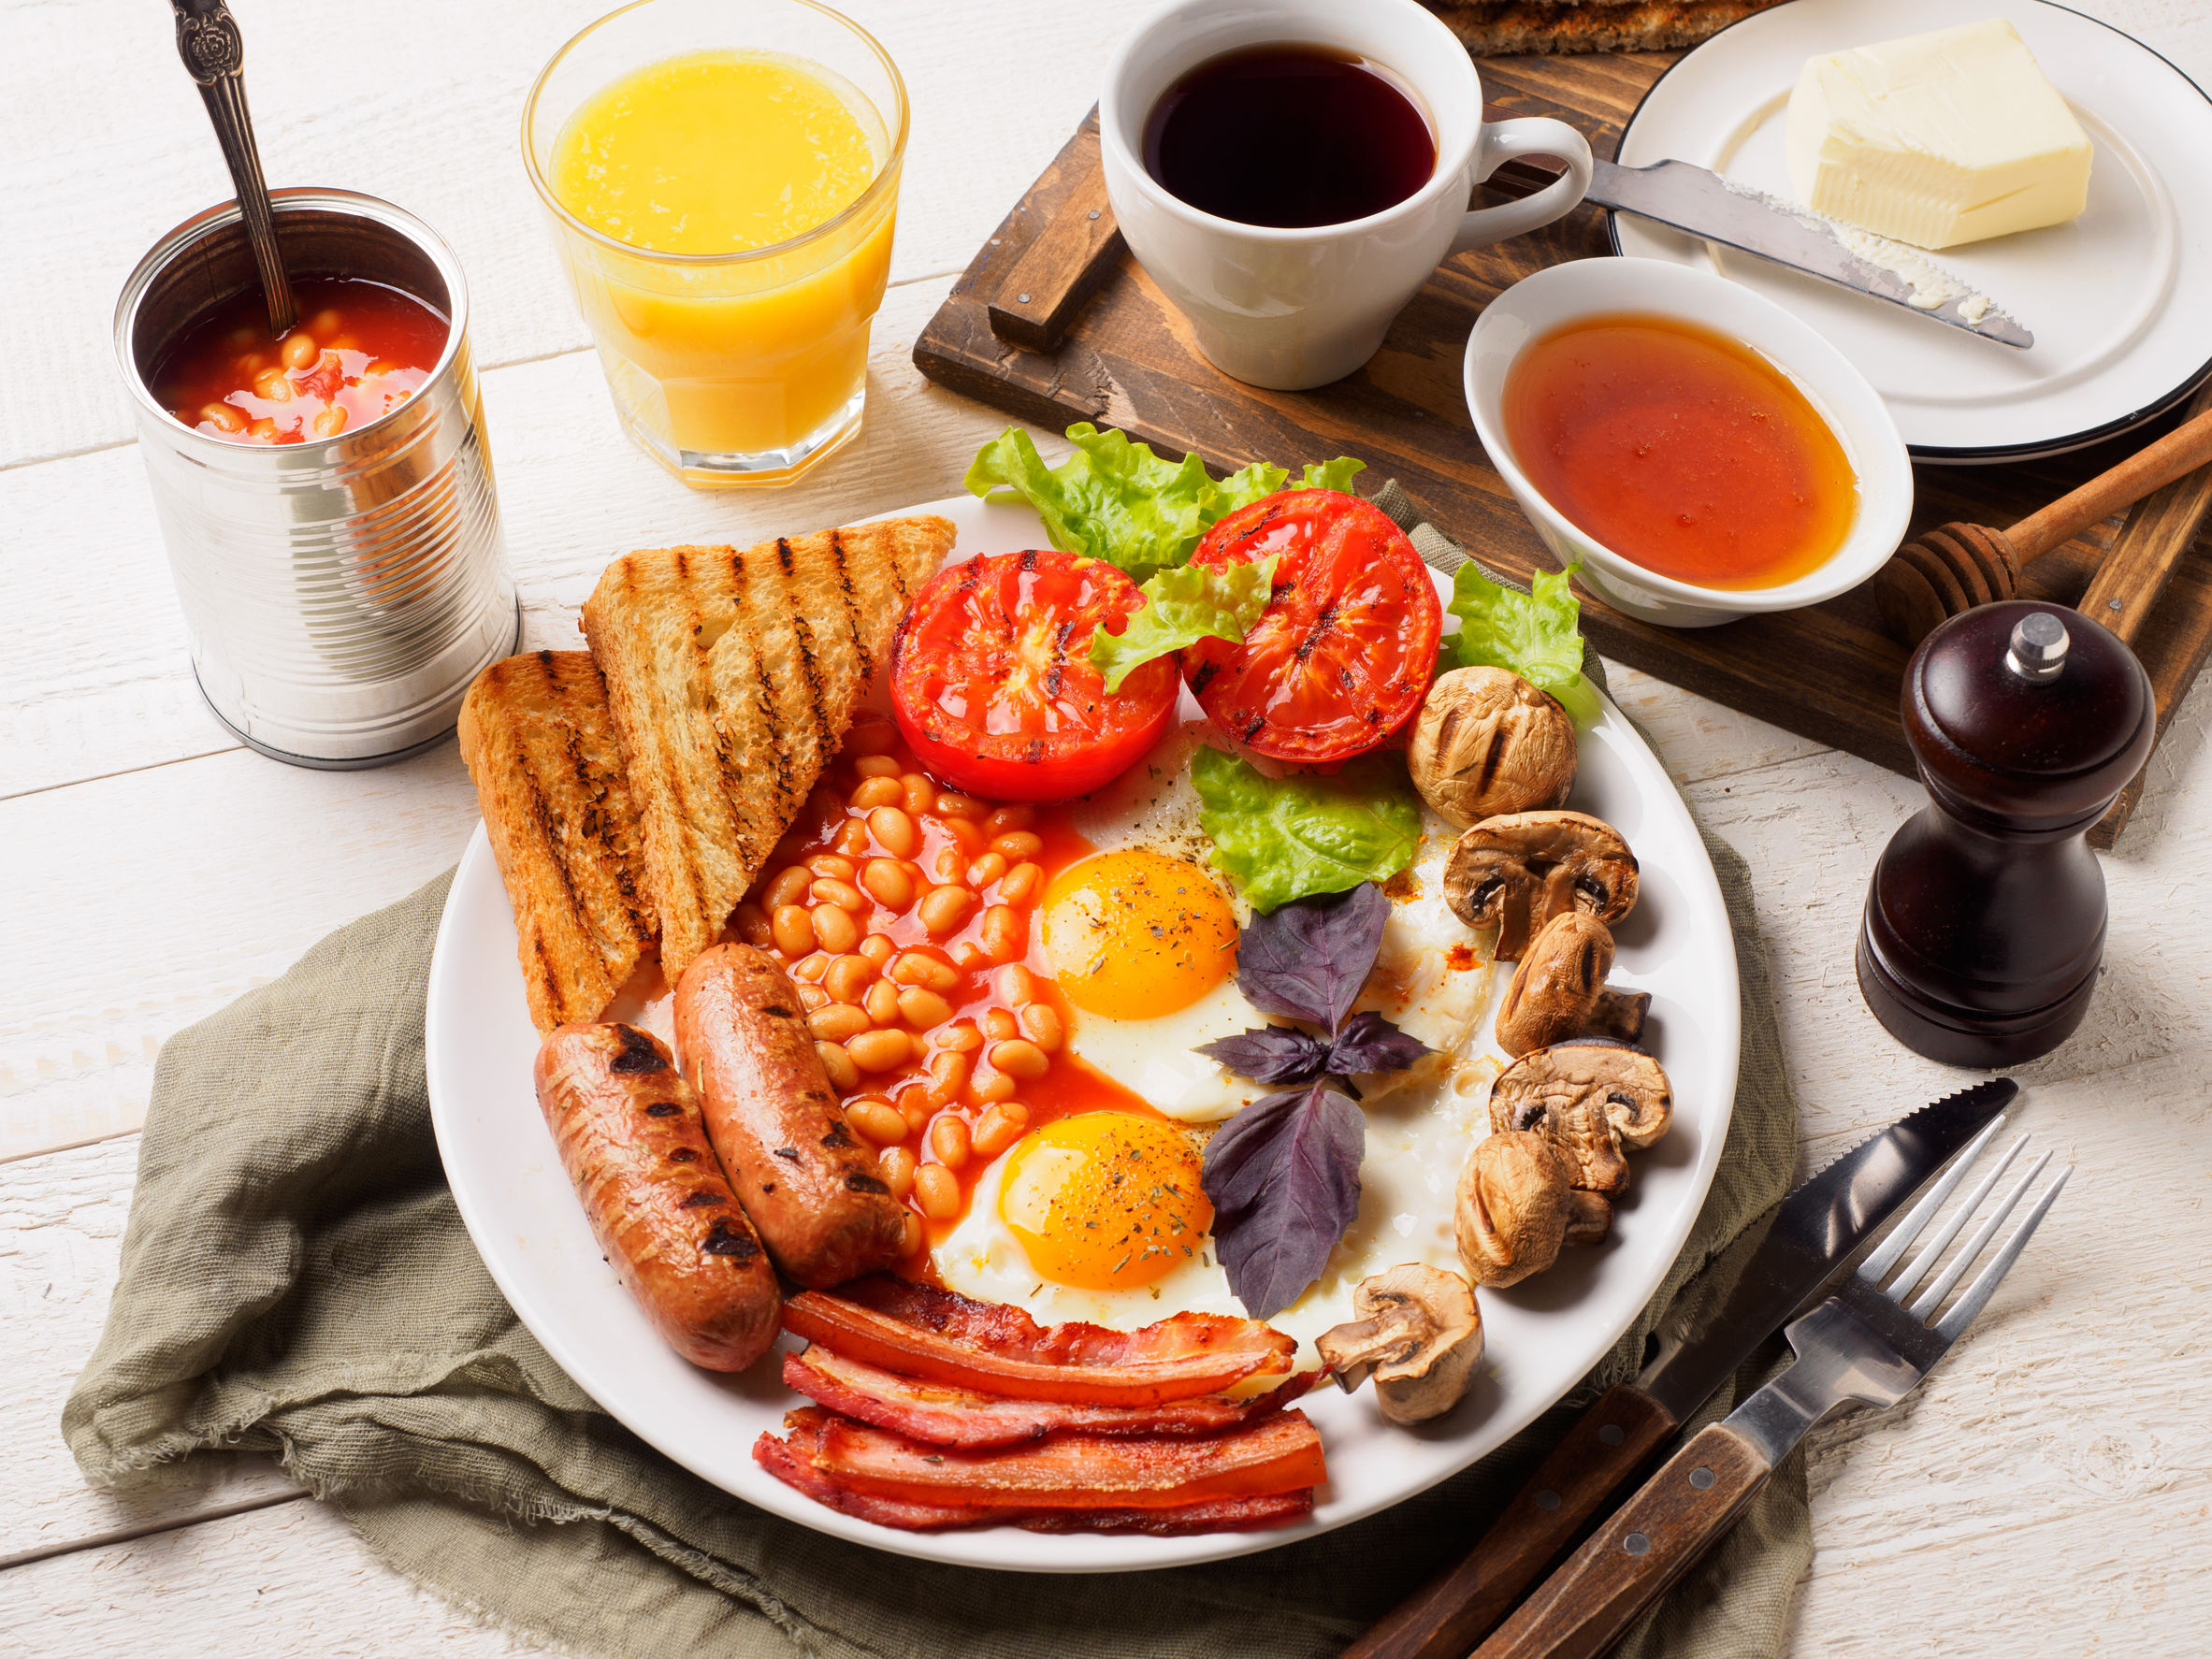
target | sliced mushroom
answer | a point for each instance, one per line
(1418, 1335)
(1519, 871)
(1487, 742)
(1590, 1099)
(1513, 1208)
(1559, 990)
(1590, 1217)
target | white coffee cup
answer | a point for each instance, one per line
(1290, 308)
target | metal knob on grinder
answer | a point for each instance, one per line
(1985, 920)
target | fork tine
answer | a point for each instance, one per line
(1910, 1273)
(1978, 1293)
(1884, 1255)
(1932, 1298)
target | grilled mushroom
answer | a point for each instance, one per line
(1519, 871)
(1513, 1208)
(1590, 1100)
(1559, 990)
(1487, 742)
(1418, 1335)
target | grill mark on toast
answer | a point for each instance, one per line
(852, 607)
(726, 766)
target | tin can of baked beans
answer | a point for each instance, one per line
(340, 593)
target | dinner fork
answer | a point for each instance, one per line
(1871, 1342)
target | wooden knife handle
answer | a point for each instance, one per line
(1582, 1609)
(1449, 1615)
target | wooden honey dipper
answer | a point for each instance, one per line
(1956, 567)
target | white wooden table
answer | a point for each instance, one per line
(2047, 1493)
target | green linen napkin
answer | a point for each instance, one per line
(296, 1280)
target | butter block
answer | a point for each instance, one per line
(1937, 139)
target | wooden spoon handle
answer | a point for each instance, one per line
(2183, 450)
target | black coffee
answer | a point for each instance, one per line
(1289, 136)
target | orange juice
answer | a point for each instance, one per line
(729, 248)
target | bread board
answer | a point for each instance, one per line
(1054, 323)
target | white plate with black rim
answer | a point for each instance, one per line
(1541, 1336)
(2115, 298)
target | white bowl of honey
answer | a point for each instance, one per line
(1698, 450)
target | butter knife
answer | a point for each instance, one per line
(1721, 211)
(1776, 1266)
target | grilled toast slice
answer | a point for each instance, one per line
(540, 744)
(731, 676)
(1503, 28)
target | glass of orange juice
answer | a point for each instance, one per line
(723, 179)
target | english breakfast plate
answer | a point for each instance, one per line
(1541, 1336)
(2114, 298)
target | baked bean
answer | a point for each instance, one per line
(923, 1009)
(1005, 933)
(811, 966)
(263, 430)
(838, 1066)
(877, 766)
(751, 923)
(936, 1189)
(875, 792)
(883, 1049)
(1041, 1022)
(1022, 1058)
(1018, 844)
(895, 1166)
(998, 1025)
(1019, 816)
(914, 1233)
(948, 1140)
(300, 349)
(271, 386)
(882, 1002)
(830, 867)
(853, 838)
(945, 908)
(847, 978)
(874, 1119)
(835, 928)
(879, 948)
(836, 1021)
(792, 929)
(325, 323)
(331, 420)
(788, 887)
(871, 737)
(921, 795)
(812, 997)
(224, 417)
(1015, 984)
(989, 1085)
(967, 956)
(888, 884)
(960, 1037)
(914, 967)
(918, 1107)
(951, 804)
(999, 1128)
(969, 837)
(985, 870)
(840, 892)
(1020, 883)
(824, 807)
(950, 863)
(948, 1072)
(895, 831)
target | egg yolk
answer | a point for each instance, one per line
(1134, 936)
(1105, 1200)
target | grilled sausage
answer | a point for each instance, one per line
(631, 1137)
(810, 1187)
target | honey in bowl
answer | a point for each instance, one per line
(359, 351)
(1681, 450)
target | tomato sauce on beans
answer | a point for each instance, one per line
(360, 350)
(904, 911)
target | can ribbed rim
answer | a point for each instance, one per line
(176, 243)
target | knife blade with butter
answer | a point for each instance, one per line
(1691, 199)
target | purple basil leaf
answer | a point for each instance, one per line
(1308, 958)
(1277, 1054)
(1370, 1043)
(1283, 1176)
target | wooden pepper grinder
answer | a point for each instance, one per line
(1985, 921)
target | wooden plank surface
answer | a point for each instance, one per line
(158, 869)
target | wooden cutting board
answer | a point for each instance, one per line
(1054, 323)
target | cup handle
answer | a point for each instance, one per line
(1528, 135)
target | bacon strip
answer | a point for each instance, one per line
(1277, 1454)
(918, 1331)
(960, 1417)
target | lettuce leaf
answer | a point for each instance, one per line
(1116, 500)
(1535, 634)
(1183, 606)
(1283, 839)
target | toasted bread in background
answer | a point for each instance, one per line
(538, 741)
(1503, 28)
(731, 676)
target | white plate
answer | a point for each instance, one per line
(1542, 1336)
(2116, 299)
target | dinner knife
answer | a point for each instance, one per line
(1777, 1265)
(1719, 209)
